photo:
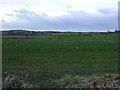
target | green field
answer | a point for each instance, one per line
(47, 58)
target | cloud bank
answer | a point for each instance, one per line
(102, 19)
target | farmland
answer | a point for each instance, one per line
(45, 58)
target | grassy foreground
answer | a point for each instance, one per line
(44, 59)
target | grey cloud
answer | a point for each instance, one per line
(9, 15)
(76, 21)
(68, 6)
(107, 11)
(63, 4)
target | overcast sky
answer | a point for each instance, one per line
(64, 15)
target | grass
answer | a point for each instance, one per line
(45, 59)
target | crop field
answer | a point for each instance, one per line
(43, 59)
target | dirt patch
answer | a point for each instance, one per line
(108, 81)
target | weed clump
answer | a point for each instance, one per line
(15, 81)
(68, 81)
(108, 81)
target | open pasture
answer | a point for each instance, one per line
(44, 58)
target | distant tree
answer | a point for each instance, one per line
(116, 30)
(108, 31)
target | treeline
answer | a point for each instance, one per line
(51, 33)
(38, 33)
